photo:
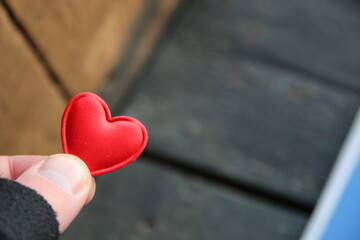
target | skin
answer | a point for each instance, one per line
(62, 179)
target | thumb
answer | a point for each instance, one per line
(64, 181)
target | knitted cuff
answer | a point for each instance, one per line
(24, 214)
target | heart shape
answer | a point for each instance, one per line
(104, 143)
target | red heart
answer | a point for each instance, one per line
(105, 144)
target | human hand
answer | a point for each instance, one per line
(62, 179)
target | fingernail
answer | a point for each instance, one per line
(64, 171)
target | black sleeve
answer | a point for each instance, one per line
(24, 214)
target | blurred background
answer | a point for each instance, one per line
(246, 103)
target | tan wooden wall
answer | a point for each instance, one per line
(51, 50)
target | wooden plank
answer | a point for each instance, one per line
(320, 38)
(30, 105)
(253, 122)
(144, 201)
(80, 40)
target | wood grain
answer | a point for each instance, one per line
(30, 104)
(81, 41)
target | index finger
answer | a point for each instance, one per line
(11, 167)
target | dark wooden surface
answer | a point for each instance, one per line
(320, 38)
(249, 118)
(253, 122)
(247, 104)
(150, 202)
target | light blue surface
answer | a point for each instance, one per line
(345, 222)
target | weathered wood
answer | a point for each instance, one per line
(253, 122)
(145, 201)
(30, 105)
(321, 37)
(80, 40)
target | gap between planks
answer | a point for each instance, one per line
(163, 39)
(219, 179)
(41, 58)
